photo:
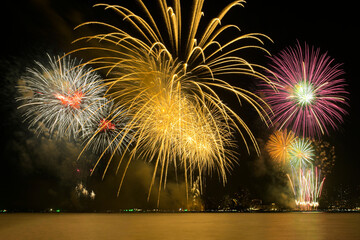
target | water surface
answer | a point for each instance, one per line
(89, 226)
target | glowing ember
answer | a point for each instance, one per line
(106, 125)
(74, 101)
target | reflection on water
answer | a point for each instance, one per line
(181, 226)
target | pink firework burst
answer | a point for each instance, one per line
(310, 95)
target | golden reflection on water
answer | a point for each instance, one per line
(279, 226)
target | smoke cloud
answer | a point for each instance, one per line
(277, 188)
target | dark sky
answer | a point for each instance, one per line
(34, 177)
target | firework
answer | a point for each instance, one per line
(81, 191)
(310, 92)
(307, 185)
(182, 130)
(60, 97)
(196, 203)
(301, 153)
(92, 195)
(279, 145)
(324, 157)
(106, 129)
(165, 79)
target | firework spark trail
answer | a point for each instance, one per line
(60, 97)
(301, 153)
(298, 154)
(307, 185)
(310, 92)
(166, 80)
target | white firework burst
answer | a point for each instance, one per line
(61, 96)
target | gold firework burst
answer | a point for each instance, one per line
(166, 81)
(279, 145)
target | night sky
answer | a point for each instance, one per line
(38, 173)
